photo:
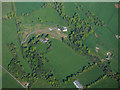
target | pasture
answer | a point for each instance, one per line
(9, 34)
(47, 15)
(27, 7)
(6, 8)
(106, 83)
(63, 60)
(8, 81)
(89, 76)
(107, 42)
(41, 83)
(106, 11)
(69, 8)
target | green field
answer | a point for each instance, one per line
(6, 8)
(105, 11)
(107, 42)
(64, 60)
(90, 76)
(106, 83)
(42, 48)
(10, 35)
(69, 8)
(46, 14)
(41, 83)
(8, 81)
(25, 7)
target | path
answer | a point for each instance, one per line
(45, 31)
(27, 37)
(12, 76)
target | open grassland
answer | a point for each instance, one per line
(41, 83)
(47, 15)
(106, 83)
(64, 60)
(6, 8)
(69, 8)
(107, 42)
(89, 76)
(27, 7)
(105, 11)
(42, 48)
(9, 34)
(8, 81)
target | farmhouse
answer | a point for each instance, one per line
(64, 29)
(108, 55)
(77, 84)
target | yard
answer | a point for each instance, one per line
(63, 60)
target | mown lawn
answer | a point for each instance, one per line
(8, 81)
(90, 76)
(63, 60)
(9, 34)
(106, 83)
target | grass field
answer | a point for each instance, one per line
(90, 76)
(9, 34)
(46, 14)
(69, 8)
(41, 83)
(106, 83)
(8, 81)
(105, 11)
(6, 8)
(64, 60)
(27, 7)
(106, 41)
(42, 48)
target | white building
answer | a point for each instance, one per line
(77, 84)
(97, 48)
(64, 29)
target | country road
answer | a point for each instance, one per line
(12, 76)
